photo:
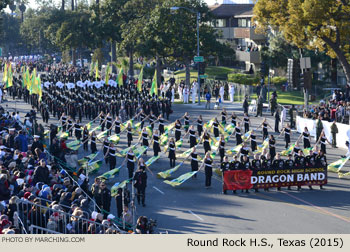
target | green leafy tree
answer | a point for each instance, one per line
(11, 39)
(314, 24)
(106, 21)
(74, 32)
(173, 36)
(134, 14)
(37, 28)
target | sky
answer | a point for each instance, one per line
(209, 2)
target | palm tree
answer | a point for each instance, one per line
(22, 8)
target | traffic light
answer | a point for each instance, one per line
(201, 68)
(301, 80)
(308, 80)
(263, 69)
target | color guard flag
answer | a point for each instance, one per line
(167, 174)
(337, 165)
(178, 181)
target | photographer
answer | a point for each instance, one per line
(142, 225)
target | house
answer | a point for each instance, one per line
(234, 23)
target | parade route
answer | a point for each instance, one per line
(191, 208)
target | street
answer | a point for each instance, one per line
(191, 208)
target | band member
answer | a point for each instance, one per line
(200, 125)
(156, 146)
(172, 155)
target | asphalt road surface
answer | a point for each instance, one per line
(191, 208)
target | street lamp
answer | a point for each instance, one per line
(175, 8)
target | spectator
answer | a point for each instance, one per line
(207, 97)
(334, 132)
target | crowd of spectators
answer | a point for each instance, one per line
(337, 108)
(39, 191)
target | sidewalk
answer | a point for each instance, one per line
(235, 106)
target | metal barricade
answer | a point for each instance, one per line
(39, 219)
(32, 228)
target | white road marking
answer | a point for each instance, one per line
(158, 190)
(195, 215)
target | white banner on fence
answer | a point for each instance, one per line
(343, 130)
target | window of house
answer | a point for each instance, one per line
(242, 22)
(249, 23)
(220, 23)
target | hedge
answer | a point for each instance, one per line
(278, 80)
(245, 79)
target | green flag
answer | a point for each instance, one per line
(149, 131)
(4, 77)
(107, 73)
(115, 139)
(139, 81)
(337, 165)
(234, 150)
(102, 134)
(27, 79)
(288, 151)
(306, 151)
(131, 121)
(167, 174)
(74, 145)
(229, 129)
(63, 135)
(93, 167)
(122, 153)
(116, 186)
(94, 129)
(120, 77)
(137, 128)
(9, 79)
(110, 174)
(88, 125)
(342, 175)
(178, 144)
(139, 151)
(97, 75)
(164, 138)
(178, 181)
(88, 158)
(152, 160)
(246, 136)
(169, 127)
(262, 146)
(186, 153)
(154, 87)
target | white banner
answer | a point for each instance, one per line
(343, 130)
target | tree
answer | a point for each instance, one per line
(11, 39)
(106, 23)
(173, 36)
(22, 8)
(74, 32)
(134, 15)
(4, 3)
(278, 51)
(314, 24)
(39, 28)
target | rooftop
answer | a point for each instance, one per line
(231, 10)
